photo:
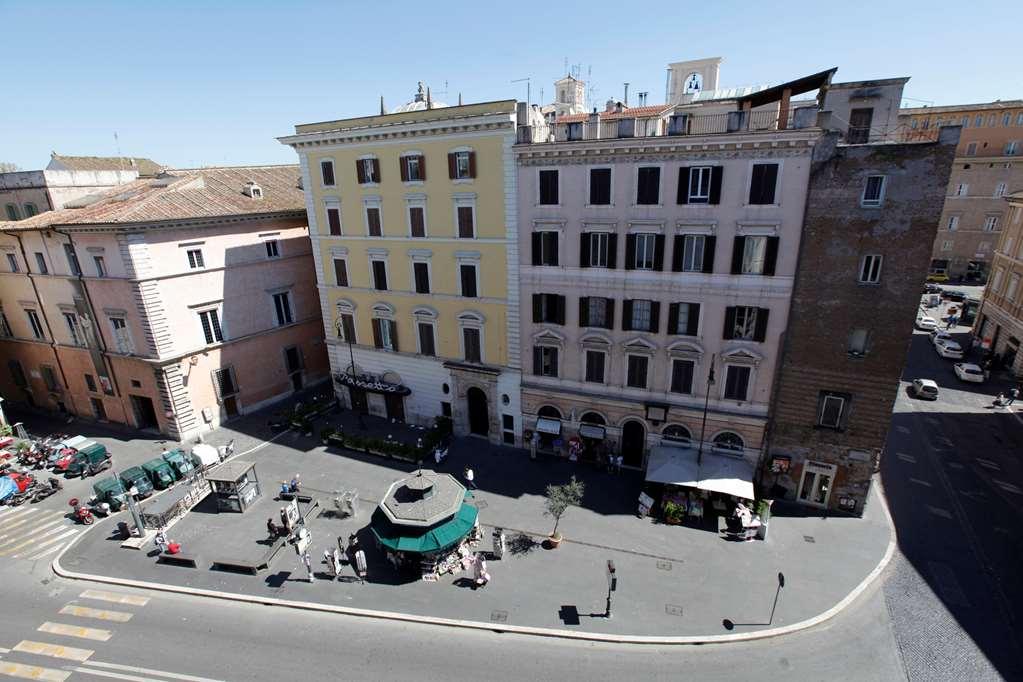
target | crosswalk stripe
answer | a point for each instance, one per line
(55, 524)
(115, 676)
(13, 512)
(115, 597)
(149, 671)
(101, 614)
(75, 631)
(8, 527)
(69, 532)
(9, 550)
(33, 672)
(51, 550)
(55, 650)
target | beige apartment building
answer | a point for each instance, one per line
(987, 168)
(1000, 319)
(170, 303)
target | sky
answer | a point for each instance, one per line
(193, 84)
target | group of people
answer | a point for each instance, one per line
(1002, 401)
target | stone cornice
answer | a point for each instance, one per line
(142, 225)
(490, 122)
(773, 145)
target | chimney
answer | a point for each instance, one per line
(626, 100)
(609, 105)
(429, 99)
(382, 110)
(459, 99)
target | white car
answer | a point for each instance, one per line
(936, 334)
(926, 323)
(948, 349)
(967, 371)
(925, 388)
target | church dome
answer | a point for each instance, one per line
(420, 102)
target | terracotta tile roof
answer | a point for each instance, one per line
(180, 195)
(145, 167)
(627, 112)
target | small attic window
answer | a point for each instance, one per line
(253, 190)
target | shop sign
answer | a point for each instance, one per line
(646, 503)
(374, 384)
(780, 464)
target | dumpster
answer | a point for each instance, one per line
(204, 456)
(136, 476)
(159, 472)
(88, 461)
(110, 491)
(179, 462)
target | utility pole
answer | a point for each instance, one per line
(706, 402)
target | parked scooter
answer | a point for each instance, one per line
(82, 513)
(41, 492)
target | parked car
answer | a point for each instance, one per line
(954, 295)
(925, 389)
(109, 491)
(89, 461)
(179, 462)
(930, 288)
(936, 334)
(967, 371)
(135, 476)
(926, 323)
(948, 349)
(160, 473)
(937, 277)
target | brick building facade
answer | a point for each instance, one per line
(872, 211)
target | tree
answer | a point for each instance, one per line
(8, 167)
(560, 498)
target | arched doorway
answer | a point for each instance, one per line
(479, 414)
(633, 444)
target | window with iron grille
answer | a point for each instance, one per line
(870, 269)
(72, 260)
(74, 329)
(282, 308)
(327, 172)
(35, 324)
(545, 361)
(210, 321)
(195, 260)
(737, 382)
(637, 371)
(272, 250)
(595, 361)
(472, 345)
(873, 191)
(225, 381)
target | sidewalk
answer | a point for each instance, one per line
(672, 581)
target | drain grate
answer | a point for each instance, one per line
(664, 565)
(809, 538)
(673, 609)
(499, 616)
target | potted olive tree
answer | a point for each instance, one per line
(559, 499)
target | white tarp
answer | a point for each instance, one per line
(727, 475)
(676, 466)
(551, 426)
(207, 454)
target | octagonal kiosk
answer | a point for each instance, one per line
(235, 485)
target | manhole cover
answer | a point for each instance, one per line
(499, 616)
(482, 504)
(664, 565)
(809, 538)
(673, 610)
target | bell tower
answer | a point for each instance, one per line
(569, 96)
(687, 79)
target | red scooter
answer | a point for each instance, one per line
(82, 513)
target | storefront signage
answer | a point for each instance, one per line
(591, 431)
(646, 503)
(374, 384)
(780, 464)
(549, 426)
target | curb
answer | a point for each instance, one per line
(500, 628)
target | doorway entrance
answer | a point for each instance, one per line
(293, 365)
(479, 414)
(359, 402)
(395, 405)
(633, 444)
(145, 413)
(815, 486)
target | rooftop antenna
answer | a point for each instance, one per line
(528, 85)
(117, 146)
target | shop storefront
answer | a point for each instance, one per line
(378, 395)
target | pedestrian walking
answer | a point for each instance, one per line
(470, 478)
(951, 322)
(286, 521)
(618, 464)
(1013, 394)
(161, 541)
(308, 565)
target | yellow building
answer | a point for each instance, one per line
(412, 218)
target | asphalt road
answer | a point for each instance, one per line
(954, 482)
(172, 637)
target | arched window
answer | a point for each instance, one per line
(728, 441)
(677, 433)
(592, 418)
(549, 411)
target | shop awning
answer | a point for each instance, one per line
(675, 466)
(727, 475)
(551, 426)
(591, 431)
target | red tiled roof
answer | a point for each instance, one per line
(180, 195)
(626, 112)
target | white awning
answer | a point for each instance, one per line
(591, 431)
(727, 475)
(676, 466)
(551, 426)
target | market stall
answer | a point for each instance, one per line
(425, 523)
(694, 485)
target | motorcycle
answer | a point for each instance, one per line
(43, 491)
(82, 513)
(22, 489)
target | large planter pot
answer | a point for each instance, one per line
(554, 541)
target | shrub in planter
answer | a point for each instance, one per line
(559, 499)
(673, 512)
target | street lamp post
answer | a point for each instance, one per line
(351, 368)
(706, 403)
(612, 585)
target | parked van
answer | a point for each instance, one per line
(136, 476)
(179, 462)
(159, 472)
(89, 461)
(111, 491)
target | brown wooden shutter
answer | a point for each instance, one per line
(738, 247)
(683, 185)
(771, 257)
(630, 251)
(360, 172)
(729, 331)
(655, 317)
(394, 334)
(673, 318)
(627, 315)
(377, 340)
(584, 250)
(693, 325)
(609, 313)
(472, 164)
(709, 243)
(422, 167)
(376, 171)
(760, 329)
(612, 251)
(584, 311)
(716, 176)
(659, 252)
(403, 168)
(537, 308)
(452, 166)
